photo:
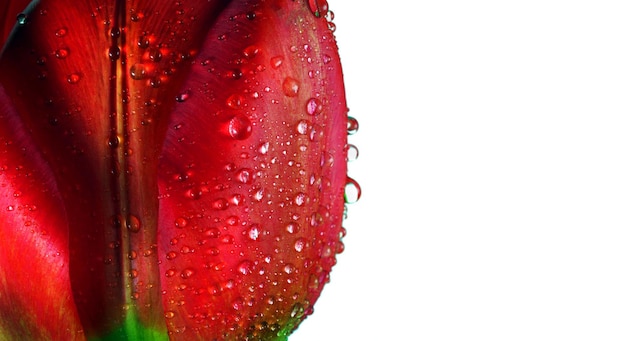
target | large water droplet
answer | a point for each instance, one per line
(353, 152)
(353, 125)
(21, 19)
(138, 71)
(133, 223)
(240, 127)
(291, 87)
(352, 192)
(313, 106)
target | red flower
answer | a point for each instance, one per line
(168, 168)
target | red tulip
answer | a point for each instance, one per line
(168, 169)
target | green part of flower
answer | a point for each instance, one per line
(133, 330)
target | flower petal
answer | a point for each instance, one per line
(95, 82)
(35, 296)
(252, 176)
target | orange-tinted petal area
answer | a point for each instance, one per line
(252, 176)
(35, 296)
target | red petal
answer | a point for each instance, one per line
(252, 176)
(35, 296)
(95, 82)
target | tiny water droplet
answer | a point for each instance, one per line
(326, 59)
(182, 97)
(291, 87)
(313, 106)
(138, 71)
(62, 53)
(155, 54)
(352, 192)
(353, 125)
(353, 152)
(115, 32)
(239, 127)
(187, 273)
(299, 244)
(133, 223)
(250, 51)
(245, 267)
(143, 42)
(292, 227)
(319, 8)
(73, 78)
(169, 314)
(61, 32)
(21, 19)
(219, 204)
(113, 141)
(234, 101)
(264, 148)
(300, 199)
(276, 61)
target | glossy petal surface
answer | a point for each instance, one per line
(192, 157)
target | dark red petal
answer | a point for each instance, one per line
(10, 11)
(35, 295)
(95, 81)
(252, 176)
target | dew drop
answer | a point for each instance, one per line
(245, 267)
(234, 101)
(61, 32)
(327, 59)
(219, 204)
(73, 78)
(244, 176)
(250, 51)
(316, 219)
(61, 53)
(113, 141)
(352, 192)
(289, 268)
(300, 199)
(182, 97)
(169, 314)
(155, 54)
(313, 106)
(143, 42)
(187, 273)
(276, 61)
(240, 127)
(264, 148)
(133, 223)
(303, 127)
(114, 53)
(292, 227)
(138, 71)
(299, 244)
(180, 222)
(319, 8)
(115, 32)
(353, 152)
(353, 125)
(21, 19)
(254, 232)
(291, 87)
(171, 255)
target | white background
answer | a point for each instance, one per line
(493, 166)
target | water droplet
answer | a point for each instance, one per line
(291, 87)
(61, 32)
(254, 232)
(319, 8)
(316, 219)
(73, 78)
(138, 71)
(353, 152)
(143, 42)
(115, 32)
(182, 97)
(62, 53)
(244, 176)
(258, 195)
(187, 273)
(300, 199)
(113, 141)
(114, 53)
(276, 61)
(21, 19)
(219, 204)
(264, 148)
(171, 255)
(313, 106)
(303, 127)
(234, 101)
(292, 227)
(155, 54)
(245, 267)
(250, 51)
(289, 268)
(352, 192)
(299, 244)
(353, 125)
(240, 127)
(169, 314)
(180, 222)
(133, 223)
(327, 59)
